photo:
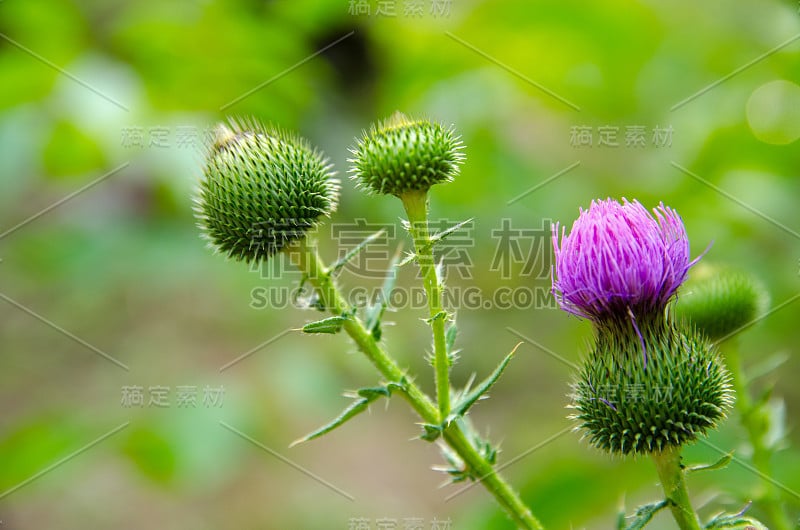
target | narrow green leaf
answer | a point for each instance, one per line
(719, 464)
(444, 234)
(353, 410)
(645, 513)
(373, 393)
(469, 399)
(365, 397)
(337, 266)
(326, 325)
(410, 256)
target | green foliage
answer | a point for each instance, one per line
(364, 397)
(642, 516)
(403, 155)
(719, 464)
(737, 521)
(355, 251)
(470, 397)
(262, 190)
(330, 325)
(629, 401)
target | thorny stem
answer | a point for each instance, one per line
(416, 206)
(306, 258)
(673, 481)
(748, 417)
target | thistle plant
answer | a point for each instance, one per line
(653, 380)
(651, 383)
(264, 191)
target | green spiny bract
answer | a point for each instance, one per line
(262, 189)
(630, 401)
(719, 300)
(403, 155)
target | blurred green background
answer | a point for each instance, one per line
(132, 88)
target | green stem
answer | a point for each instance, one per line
(308, 261)
(491, 480)
(673, 480)
(748, 417)
(416, 206)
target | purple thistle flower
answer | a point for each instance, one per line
(620, 260)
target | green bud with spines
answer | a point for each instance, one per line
(262, 189)
(721, 300)
(651, 387)
(402, 155)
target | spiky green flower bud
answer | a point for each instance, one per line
(402, 155)
(261, 190)
(649, 386)
(720, 300)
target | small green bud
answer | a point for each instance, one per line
(720, 300)
(632, 401)
(402, 155)
(262, 189)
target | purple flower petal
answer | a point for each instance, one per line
(619, 258)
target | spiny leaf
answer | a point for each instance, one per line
(719, 464)
(329, 325)
(410, 256)
(735, 521)
(351, 411)
(469, 399)
(433, 241)
(645, 513)
(337, 266)
(365, 397)
(444, 234)
(441, 315)
(430, 432)
(373, 393)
